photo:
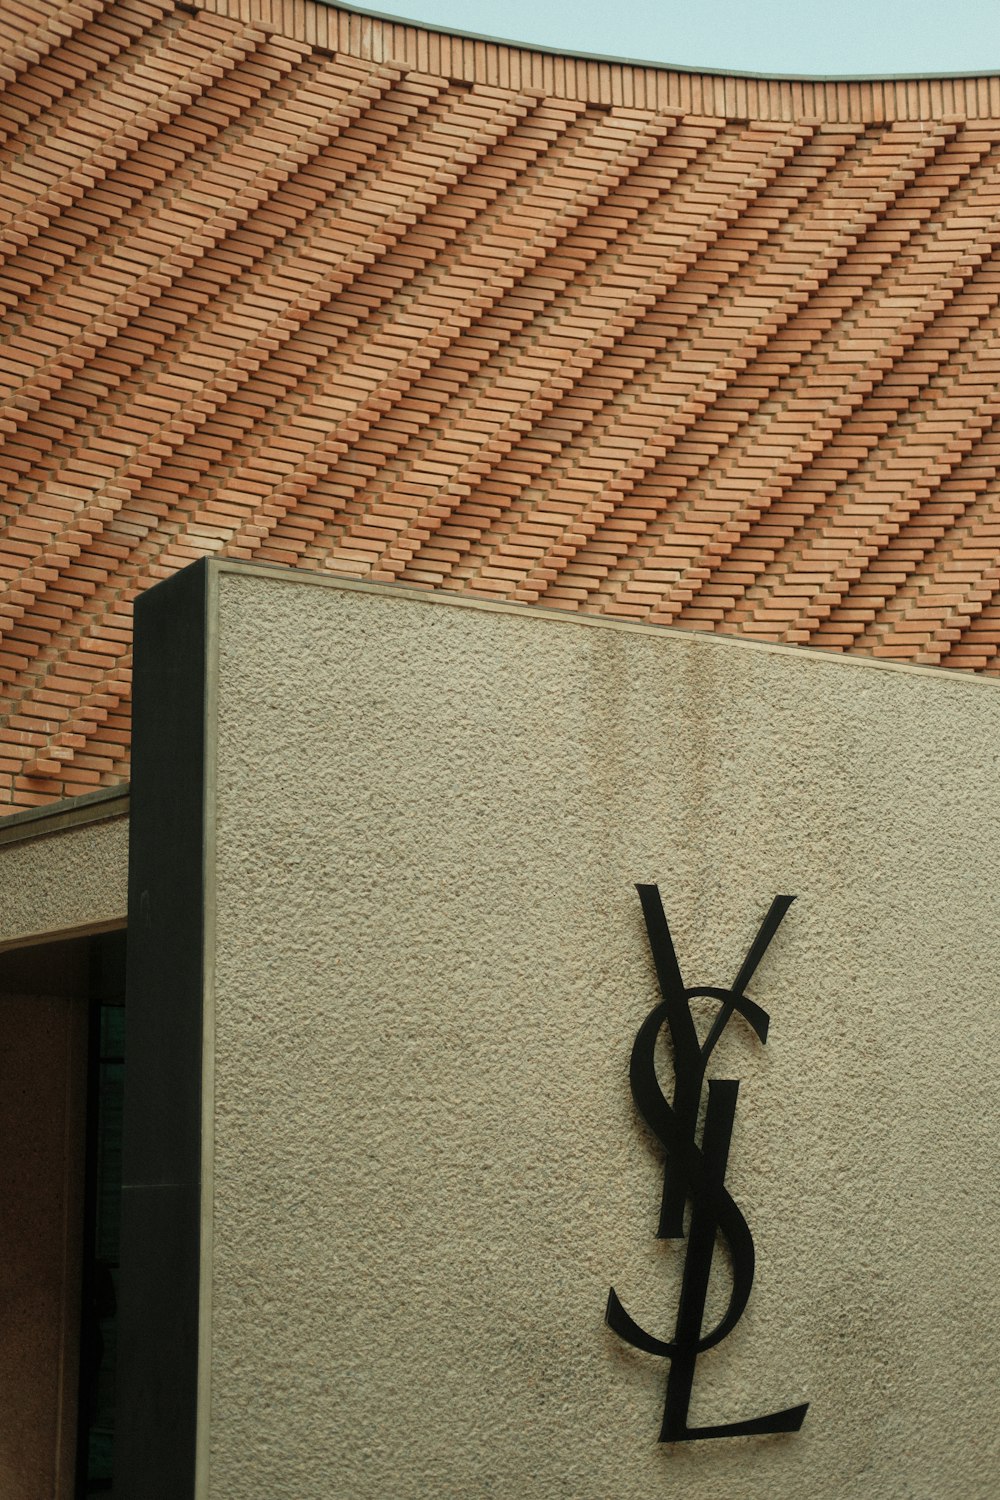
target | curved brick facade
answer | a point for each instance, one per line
(286, 283)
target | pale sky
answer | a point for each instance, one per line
(840, 37)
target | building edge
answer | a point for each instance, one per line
(617, 82)
(160, 1314)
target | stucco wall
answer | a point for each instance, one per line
(427, 967)
(61, 876)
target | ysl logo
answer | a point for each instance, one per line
(696, 1172)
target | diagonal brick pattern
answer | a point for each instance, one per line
(280, 281)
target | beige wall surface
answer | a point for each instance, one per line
(62, 883)
(428, 966)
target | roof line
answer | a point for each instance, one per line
(68, 812)
(555, 615)
(641, 62)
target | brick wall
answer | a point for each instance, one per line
(286, 283)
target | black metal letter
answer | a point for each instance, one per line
(696, 1173)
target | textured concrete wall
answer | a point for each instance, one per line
(429, 967)
(65, 883)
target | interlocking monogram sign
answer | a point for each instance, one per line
(696, 1172)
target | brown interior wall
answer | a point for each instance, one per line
(43, 1051)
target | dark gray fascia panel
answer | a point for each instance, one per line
(161, 1196)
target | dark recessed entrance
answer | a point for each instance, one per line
(61, 1076)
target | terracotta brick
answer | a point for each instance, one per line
(601, 347)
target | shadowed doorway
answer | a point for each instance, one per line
(61, 1074)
